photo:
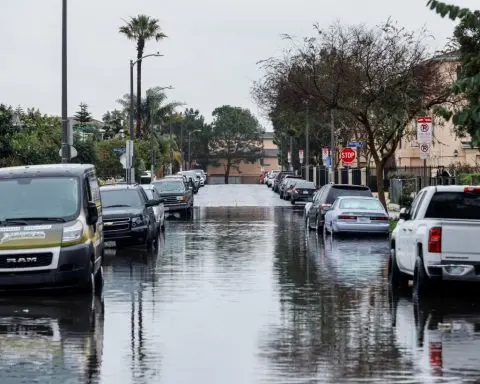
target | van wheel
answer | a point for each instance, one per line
(99, 281)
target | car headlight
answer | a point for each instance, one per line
(180, 198)
(73, 232)
(137, 221)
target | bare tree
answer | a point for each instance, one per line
(378, 78)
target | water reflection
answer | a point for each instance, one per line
(334, 322)
(48, 340)
(441, 335)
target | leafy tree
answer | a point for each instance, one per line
(83, 116)
(376, 80)
(466, 40)
(86, 149)
(236, 137)
(115, 121)
(141, 29)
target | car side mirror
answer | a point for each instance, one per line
(404, 214)
(92, 212)
(152, 203)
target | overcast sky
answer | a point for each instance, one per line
(210, 55)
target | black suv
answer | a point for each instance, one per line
(279, 178)
(325, 197)
(128, 217)
(178, 197)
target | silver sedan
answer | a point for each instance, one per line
(158, 210)
(352, 214)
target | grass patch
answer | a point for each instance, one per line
(392, 223)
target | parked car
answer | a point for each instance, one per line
(436, 239)
(158, 210)
(285, 182)
(270, 178)
(307, 207)
(302, 191)
(193, 179)
(353, 214)
(287, 186)
(178, 197)
(52, 235)
(325, 198)
(128, 215)
(278, 179)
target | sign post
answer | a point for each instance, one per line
(424, 139)
(348, 156)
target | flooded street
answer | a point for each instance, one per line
(242, 294)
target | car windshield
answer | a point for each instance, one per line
(42, 197)
(369, 204)
(120, 198)
(149, 193)
(170, 186)
(304, 184)
(339, 191)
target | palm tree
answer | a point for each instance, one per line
(141, 29)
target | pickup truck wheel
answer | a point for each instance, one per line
(292, 202)
(396, 278)
(421, 282)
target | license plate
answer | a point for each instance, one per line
(363, 219)
(110, 244)
(305, 192)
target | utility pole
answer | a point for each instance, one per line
(307, 145)
(65, 127)
(182, 162)
(332, 144)
(291, 153)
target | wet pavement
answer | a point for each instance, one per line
(242, 294)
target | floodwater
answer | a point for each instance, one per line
(242, 294)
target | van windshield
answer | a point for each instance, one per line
(39, 197)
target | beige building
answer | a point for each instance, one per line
(245, 172)
(447, 148)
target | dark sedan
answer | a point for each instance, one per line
(302, 191)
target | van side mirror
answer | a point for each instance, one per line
(404, 214)
(153, 202)
(92, 213)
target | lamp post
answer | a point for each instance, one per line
(130, 167)
(189, 147)
(65, 143)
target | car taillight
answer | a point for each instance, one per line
(435, 350)
(435, 240)
(471, 189)
(325, 206)
(296, 191)
(346, 217)
(379, 218)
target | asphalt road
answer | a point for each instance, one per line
(242, 294)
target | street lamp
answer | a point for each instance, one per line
(130, 174)
(189, 147)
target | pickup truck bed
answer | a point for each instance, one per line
(437, 239)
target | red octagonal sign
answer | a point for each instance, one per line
(348, 156)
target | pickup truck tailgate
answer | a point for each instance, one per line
(461, 240)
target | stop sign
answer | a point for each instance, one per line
(348, 156)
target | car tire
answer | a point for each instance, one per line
(396, 278)
(292, 201)
(421, 281)
(99, 281)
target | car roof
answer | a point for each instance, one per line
(347, 186)
(147, 186)
(45, 170)
(357, 198)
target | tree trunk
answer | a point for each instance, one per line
(227, 172)
(139, 98)
(379, 168)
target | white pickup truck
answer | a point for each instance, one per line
(437, 239)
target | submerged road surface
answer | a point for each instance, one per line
(242, 294)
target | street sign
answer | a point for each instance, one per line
(356, 144)
(424, 151)
(424, 130)
(300, 155)
(123, 160)
(327, 161)
(119, 150)
(73, 152)
(324, 152)
(348, 156)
